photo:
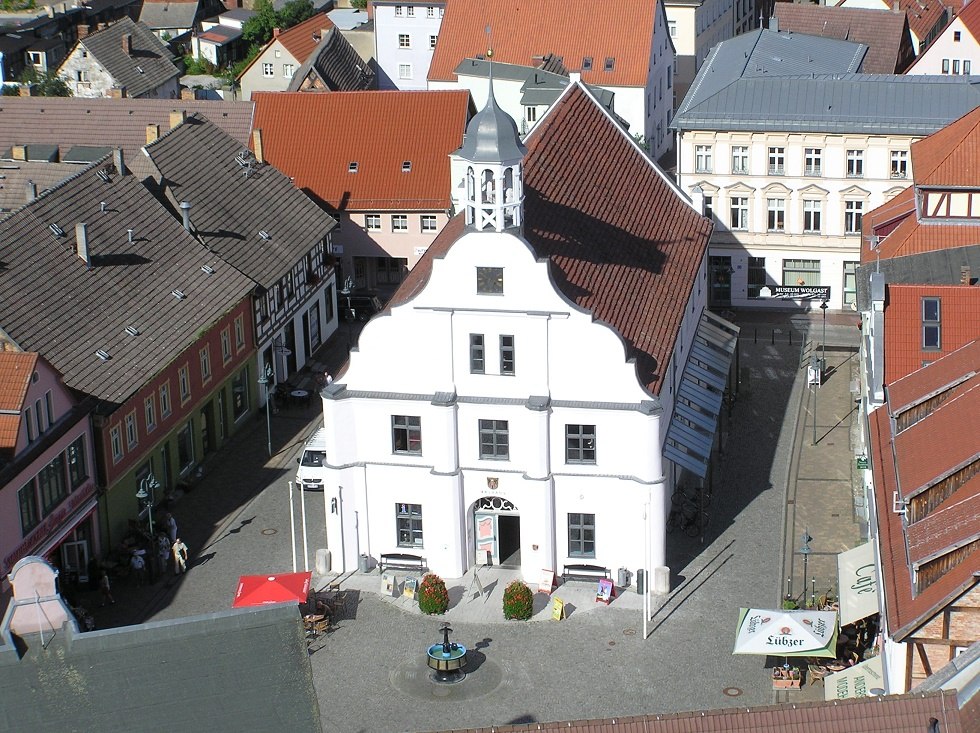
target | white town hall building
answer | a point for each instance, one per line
(515, 401)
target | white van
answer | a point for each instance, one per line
(311, 462)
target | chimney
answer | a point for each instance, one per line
(81, 244)
(896, 8)
(275, 33)
(965, 278)
(188, 94)
(257, 145)
(119, 162)
(185, 210)
(127, 43)
(25, 90)
(117, 93)
(19, 152)
(176, 117)
(32, 192)
(774, 24)
(152, 133)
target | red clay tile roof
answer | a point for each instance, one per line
(923, 15)
(16, 369)
(299, 40)
(970, 17)
(909, 713)
(951, 156)
(524, 31)
(622, 241)
(942, 375)
(960, 324)
(313, 138)
(884, 33)
(899, 464)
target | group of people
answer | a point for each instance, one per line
(153, 555)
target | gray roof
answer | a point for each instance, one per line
(236, 670)
(169, 15)
(336, 66)
(928, 268)
(198, 162)
(14, 177)
(491, 136)
(149, 65)
(129, 284)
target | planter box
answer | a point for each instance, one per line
(785, 684)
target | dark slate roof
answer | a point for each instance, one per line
(236, 670)
(130, 284)
(147, 67)
(198, 162)
(336, 66)
(941, 267)
(14, 177)
(171, 14)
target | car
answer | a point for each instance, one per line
(358, 306)
(311, 462)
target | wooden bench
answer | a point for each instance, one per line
(584, 572)
(401, 561)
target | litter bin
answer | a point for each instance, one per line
(623, 578)
(640, 581)
(364, 563)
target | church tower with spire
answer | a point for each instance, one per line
(492, 157)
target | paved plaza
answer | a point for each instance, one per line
(769, 483)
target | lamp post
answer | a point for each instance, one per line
(267, 379)
(805, 551)
(147, 495)
(346, 291)
(823, 341)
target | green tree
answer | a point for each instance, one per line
(258, 29)
(295, 12)
(48, 84)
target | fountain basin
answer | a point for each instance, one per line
(441, 661)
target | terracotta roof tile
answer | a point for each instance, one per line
(970, 17)
(923, 15)
(16, 369)
(955, 524)
(524, 31)
(950, 157)
(419, 126)
(884, 33)
(940, 375)
(302, 38)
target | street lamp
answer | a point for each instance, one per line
(346, 291)
(823, 341)
(147, 495)
(805, 551)
(267, 379)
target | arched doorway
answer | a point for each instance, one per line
(498, 532)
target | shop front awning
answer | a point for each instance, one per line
(857, 577)
(699, 398)
(856, 681)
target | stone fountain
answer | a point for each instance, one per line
(446, 659)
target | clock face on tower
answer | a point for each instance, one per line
(490, 280)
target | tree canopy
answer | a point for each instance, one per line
(258, 29)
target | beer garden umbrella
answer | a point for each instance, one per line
(258, 590)
(797, 633)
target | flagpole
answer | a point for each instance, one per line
(292, 525)
(302, 505)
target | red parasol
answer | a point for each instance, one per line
(258, 590)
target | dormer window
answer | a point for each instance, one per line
(406, 166)
(587, 63)
(609, 64)
(352, 167)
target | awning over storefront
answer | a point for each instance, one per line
(858, 582)
(856, 681)
(698, 404)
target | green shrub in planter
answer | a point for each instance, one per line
(433, 596)
(518, 601)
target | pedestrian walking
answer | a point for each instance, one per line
(180, 557)
(170, 525)
(162, 552)
(105, 589)
(138, 566)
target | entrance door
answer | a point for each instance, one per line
(720, 277)
(288, 351)
(487, 551)
(305, 345)
(74, 560)
(207, 429)
(509, 540)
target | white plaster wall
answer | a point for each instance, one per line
(253, 79)
(99, 80)
(388, 26)
(944, 47)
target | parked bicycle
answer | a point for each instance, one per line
(698, 497)
(689, 519)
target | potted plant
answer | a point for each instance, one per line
(785, 677)
(518, 601)
(433, 596)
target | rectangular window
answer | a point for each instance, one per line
(531, 114)
(399, 11)
(408, 518)
(240, 333)
(77, 470)
(672, 27)
(580, 444)
(855, 163)
(740, 212)
(494, 440)
(27, 498)
(850, 283)
(268, 70)
(756, 275)
(432, 42)
(776, 209)
(900, 163)
(115, 442)
(966, 67)
(410, 11)
(853, 213)
(184, 381)
(149, 414)
(165, 408)
(239, 394)
(29, 424)
(52, 485)
(812, 162)
(406, 434)
(49, 407)
(185, 446)
(206, 363)
(404, 40)
(399, 222)
(945, 66)
(428, 222)
(931, 333)
(404, 71)
(811, 216)
(39, 416)
(430, 12)
(581, 535)
(132, 437)
(801, 272)
(702, 159)
(477, 354)
(709, 207)
(225, 346)
(287, 71)
(740, 159)
(956, 66)
(507, 355)
(372, 222)
(776, 161)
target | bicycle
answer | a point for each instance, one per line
(697, 497)
(691, 520)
